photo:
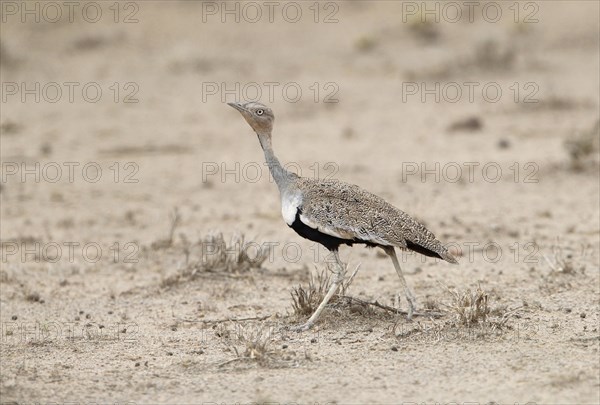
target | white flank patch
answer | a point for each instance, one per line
(289, 207)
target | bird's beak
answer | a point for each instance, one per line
(238, 107)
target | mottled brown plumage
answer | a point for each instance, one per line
(347, 211)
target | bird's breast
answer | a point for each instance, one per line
(289, 206)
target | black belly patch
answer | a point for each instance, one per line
(333, 242)
(330, 242)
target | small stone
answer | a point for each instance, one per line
(469, 124)
(34, 297)
(503, 144)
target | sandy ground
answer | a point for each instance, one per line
(99, 303)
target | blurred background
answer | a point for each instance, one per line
(114, 126)
(366, 84)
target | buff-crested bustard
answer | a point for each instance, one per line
(334, 213)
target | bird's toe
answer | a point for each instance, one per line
(302, 327)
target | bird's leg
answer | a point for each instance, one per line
(409, 295)
(338, 277)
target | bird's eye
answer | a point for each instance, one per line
(259, 112)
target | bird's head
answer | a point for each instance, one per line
(259, 116)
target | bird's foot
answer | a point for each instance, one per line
(302, 327)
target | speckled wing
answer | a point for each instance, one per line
(349, 212)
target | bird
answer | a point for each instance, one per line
(335, 213)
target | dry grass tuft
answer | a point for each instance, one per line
(232, 257)
(563, 264)
(252, 345)
(431, 304)
(473, 319)
(175, 221)
(306, 301)
(566, 270)
(256, 347)
(583, 149)
(213, 254)
(470, 307)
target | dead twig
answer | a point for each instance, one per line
(232, 361)
(391, 309)
(217, 321)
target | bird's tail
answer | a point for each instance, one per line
(449, 257)
(439, 252)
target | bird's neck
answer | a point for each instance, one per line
(280, 175)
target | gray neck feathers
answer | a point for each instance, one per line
(280, 175)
